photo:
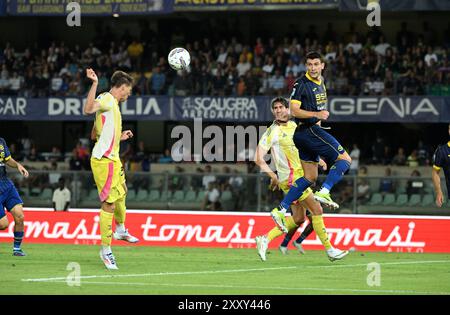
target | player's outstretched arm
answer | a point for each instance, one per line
(437, 186)
(14, 164)
(259, 160)
(91, 105)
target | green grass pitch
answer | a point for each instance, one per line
(211, 271)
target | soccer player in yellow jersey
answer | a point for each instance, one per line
(278, 139)
(105, 162)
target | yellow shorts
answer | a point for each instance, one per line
(285, 188)
(109, 178)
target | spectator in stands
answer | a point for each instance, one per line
(54, 175)
(354, 154)
(378, 150)
(61, 197)
(412, 160)
(387, 183)
(157, 81)
(55, 155)
(208, 177)
(422, 154)
(135, 51)
(399, 158)
(166, 158)
(212, 195)
(33, 156)
(415, 185)
(177, 180)
(75, 163)
(277, 83)
(363, 191)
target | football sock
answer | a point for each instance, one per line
(106, 219)
(120, 211)
(288, 238)
(18, 237)
(306, 232)
(319, 228)
(275, 232)
(336, 172)
(295, 192)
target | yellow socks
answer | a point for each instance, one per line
(275, 232)
(120, 211)
(106, 219)
(319, 228)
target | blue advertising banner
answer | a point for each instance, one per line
(89, 7)
(232, 109)
(2, 8)
(71, 108)
(196, 5)
(397, 5)
(237, 109)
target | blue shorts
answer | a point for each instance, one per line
(9, 199)
(315, 142)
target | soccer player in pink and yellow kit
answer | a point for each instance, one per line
(105, 162)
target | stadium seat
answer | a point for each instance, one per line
(376, 199)
(153, 195)
(178, 196)
(35, 192)
(142, 195)
(46, 194)
(226, 195)
(414, 200)
(190, 196)
(93, 194)
(428, 200)
(166, 195)
(389, 200)
(402, 199)
(200, 196)
(131, 195)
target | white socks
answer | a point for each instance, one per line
(324, 191)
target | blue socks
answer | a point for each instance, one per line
(288, 238)
(297, 189)
(336, 173)
(308, 230)
(18, 236)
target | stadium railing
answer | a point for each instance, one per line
(237, 192)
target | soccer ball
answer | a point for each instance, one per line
(179, 59)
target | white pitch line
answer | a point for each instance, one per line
(163, 274)
(232, 270)
(256, 287)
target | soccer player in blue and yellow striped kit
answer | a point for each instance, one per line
(10, 199)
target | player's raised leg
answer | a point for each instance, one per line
(121, 232)
(319, 227)
(295, 192)
(262, 242)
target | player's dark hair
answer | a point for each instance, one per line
(119, 78)
(314, 55)
(281, 100)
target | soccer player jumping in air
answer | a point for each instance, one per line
(308, 106)
(10, 199)
(105, 162)
(278, 139)
(441, 159)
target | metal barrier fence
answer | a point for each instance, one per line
(234, 192)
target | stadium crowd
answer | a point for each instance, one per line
(357, 64)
